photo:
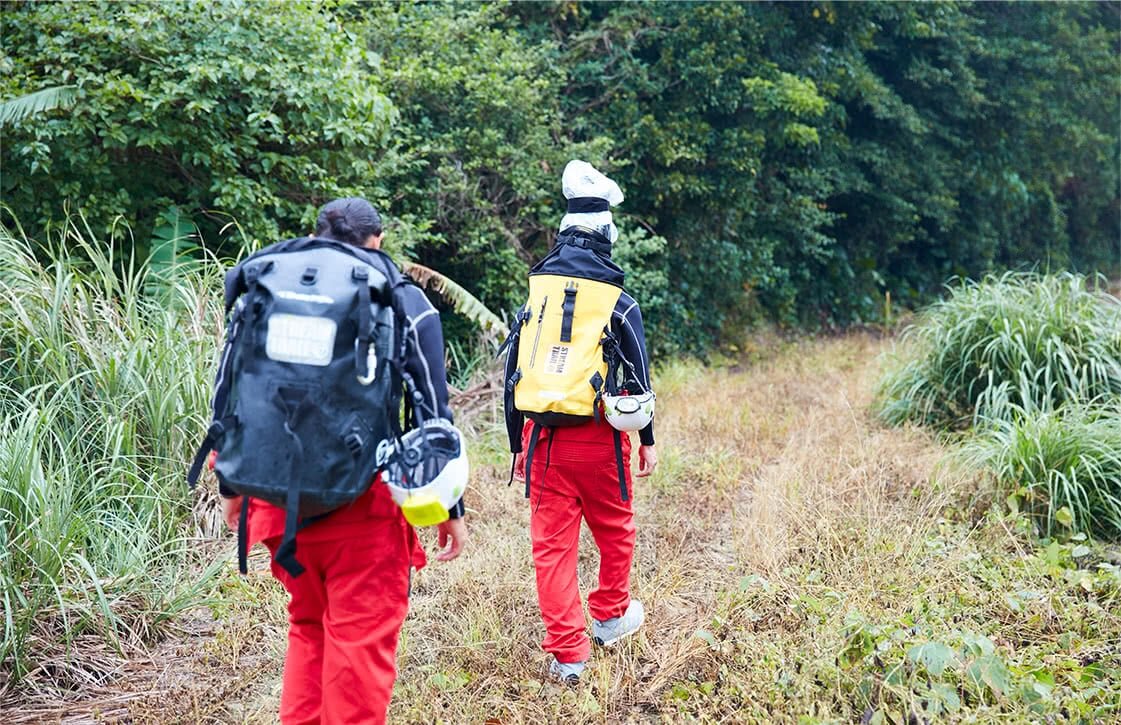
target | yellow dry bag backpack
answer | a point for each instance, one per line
(565, 348)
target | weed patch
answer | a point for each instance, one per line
(1037, 342)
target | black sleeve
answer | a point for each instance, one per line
(627, 322)
(515, 420)
(424, 361)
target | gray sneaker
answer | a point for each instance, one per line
(567, 672)
(610, 631)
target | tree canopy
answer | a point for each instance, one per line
(792, 160)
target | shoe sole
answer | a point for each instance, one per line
(609, 642)
(570, 680)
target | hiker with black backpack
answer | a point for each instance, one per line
(325, 343)
(577, 368)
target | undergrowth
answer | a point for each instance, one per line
(1030, 368)
(103, 386)
(1037, 341)
(1063, 466)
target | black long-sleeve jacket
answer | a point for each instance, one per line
(424, 360)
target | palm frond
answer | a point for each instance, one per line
(461, 300)
(19, 109)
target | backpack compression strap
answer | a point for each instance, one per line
(216, 430)
(534, 434)
(243, 537)
(619, 463)
(362, 349)
(596, 245)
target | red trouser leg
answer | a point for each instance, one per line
(581, 479)
(554, 528)
(611, 521)
(345, 613)
(301, 696)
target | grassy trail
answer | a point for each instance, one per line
(790, 553)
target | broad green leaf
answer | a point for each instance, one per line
(461, 300)
(21, 108)
(947, 695)
(989, 671)
(935, 657)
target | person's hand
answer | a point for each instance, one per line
(519, 466)
(231, 510)
(647, 461)
(452, 538)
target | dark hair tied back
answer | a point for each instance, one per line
(350, 220)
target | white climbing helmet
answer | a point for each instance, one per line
(581, 180)
(629, 412)
(427, 473)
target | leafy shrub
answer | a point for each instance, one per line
(225, 110)
(1034, 342)
(1062, 466)
(103, 388)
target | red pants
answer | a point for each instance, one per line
(345, 610)
(579, 477)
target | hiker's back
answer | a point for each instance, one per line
(561, 368)
(308, 386)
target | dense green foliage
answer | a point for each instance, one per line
(1033, 366)
(1064, 466)
(102, 392)
(793, 159)
(224, 111)
(1008, 343)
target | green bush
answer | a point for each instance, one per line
(1007, 343)
(105, 378)
(1068, 459)
(224, 110)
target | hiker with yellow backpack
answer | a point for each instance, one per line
(577, 382)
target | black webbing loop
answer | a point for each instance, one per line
(596, 381)
(362, 348)
(548, 458)
(594, 245)
(515, 330)
(619, 464)
(568, 309)
(549, 450)
(243, 537)
(286, 552)
(216, 430)
(534, 433)
(294, 410)
(587, 205)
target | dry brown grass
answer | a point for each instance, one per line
(775, 488)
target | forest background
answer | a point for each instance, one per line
(808, 163)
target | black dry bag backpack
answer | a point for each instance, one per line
(309, 383)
